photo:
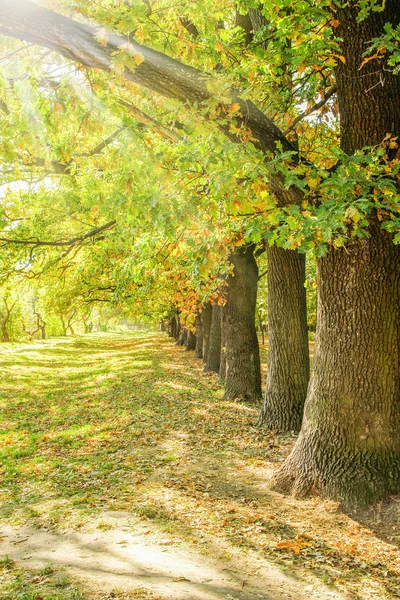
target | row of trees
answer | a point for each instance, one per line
(29, 312)
(267, 125)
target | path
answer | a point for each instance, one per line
(132, 554)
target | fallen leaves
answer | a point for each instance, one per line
(296, 545)
(133, 424)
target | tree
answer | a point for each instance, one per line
(288, 355)
(240, 343)
(349, 444)
(213, 356)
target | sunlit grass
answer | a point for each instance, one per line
(130, 422)
(85, 420)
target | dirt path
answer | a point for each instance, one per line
(132, 554)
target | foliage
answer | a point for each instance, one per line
(83, 147)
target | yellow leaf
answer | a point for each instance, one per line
(287, 545)
(138, 58)
(313, 183)
(234, 107)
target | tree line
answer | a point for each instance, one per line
(277, 130)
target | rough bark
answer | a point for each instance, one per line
(242, 373)
(222, 364)
(288, 370)
(190, 342)
(199, 337)
(214, 348)
(349, 444)
(206, 323)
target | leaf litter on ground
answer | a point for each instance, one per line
(129, 422)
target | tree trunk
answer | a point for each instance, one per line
(175, 326)
(182, 336)
(349, 444)
(64, 328)
(214, 348)
(222, 364)
(5, 336)
(288, 354)
(199, 337)
(190, 340)
(242, 374)
(206, 323)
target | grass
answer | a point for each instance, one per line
(42, 584)
(129, 422)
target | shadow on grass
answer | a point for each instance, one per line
(130, 422)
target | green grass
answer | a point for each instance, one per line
(86, 420)
(41, 584)
(128, 421)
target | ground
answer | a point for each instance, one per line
(125, 474)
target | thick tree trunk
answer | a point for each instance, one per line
(176, 327)
(190, 340)
(214, 348)
(349, 444)
(199, 337)
(206, 323)
(242, 373)
(288, 354)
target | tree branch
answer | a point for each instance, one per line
(262, 274)
(331, 92)
(156, 71)
(35, 242)
(64, 168)
(158, 127)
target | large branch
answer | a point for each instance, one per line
(71, 242)
(158, 72)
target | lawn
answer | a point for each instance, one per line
(129, 423)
